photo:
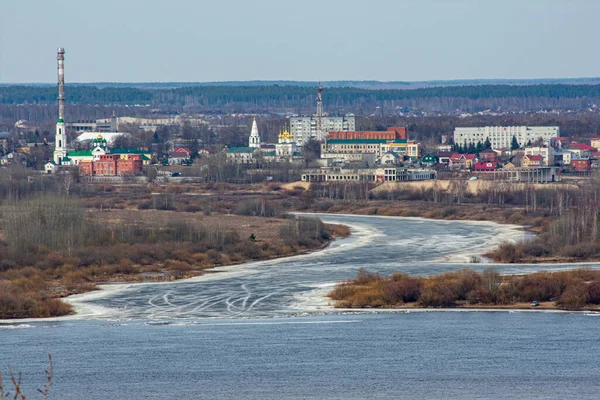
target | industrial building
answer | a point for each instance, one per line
(502, 136)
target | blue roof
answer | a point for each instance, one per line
(4, 134)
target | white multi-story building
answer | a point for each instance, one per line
(305, 128)
(501, 136)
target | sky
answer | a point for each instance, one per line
(308, 40)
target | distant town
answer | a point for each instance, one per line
(317, 147)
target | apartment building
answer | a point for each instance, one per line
(305, 128)
(502, 136)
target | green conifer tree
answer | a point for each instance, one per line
(487, 144)
(514, 144)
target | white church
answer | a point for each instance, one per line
(283, 151)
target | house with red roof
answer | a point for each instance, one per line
(183, 150)
(581, 150)
(547, 153)
(462, 161)
(582, 146)
(469, 161)
(529, 161)
(179, 158)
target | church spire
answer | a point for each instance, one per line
(254, 140)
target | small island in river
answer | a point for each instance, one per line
(566, 290)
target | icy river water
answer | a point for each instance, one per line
(265, 331)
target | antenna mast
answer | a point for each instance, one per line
(320, 133)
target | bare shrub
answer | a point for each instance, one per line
(437, 294)
(364, 277)
(402, 289)
(593, 292)
(481, 295)
(574, 297)
(448, 212)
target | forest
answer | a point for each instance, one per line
(301, 99)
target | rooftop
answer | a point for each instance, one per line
(365, 141)
(79, 153)
(537, 157)
(241, 150)
(582, 146)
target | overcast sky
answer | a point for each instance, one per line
(218, 40)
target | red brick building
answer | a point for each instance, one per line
(131, 164)
(86, 168)
(393, 133)
(112, 164)
(106, 165)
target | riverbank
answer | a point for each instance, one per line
(428, 210)
(564, 290)
(565, 217)
(536, 249)
(152, 246)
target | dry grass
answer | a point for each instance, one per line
(473, 187)
(569, 290)
(135, 245)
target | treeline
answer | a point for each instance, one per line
(571, 290)
(573, 235)
(552, 200)
(225, 97)
(566, 217)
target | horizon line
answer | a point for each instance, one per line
(311, 82)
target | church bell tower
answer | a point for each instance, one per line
(254, 140)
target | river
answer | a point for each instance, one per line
(265, 330)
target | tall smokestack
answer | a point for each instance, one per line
(60, 56)
(60, 139)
